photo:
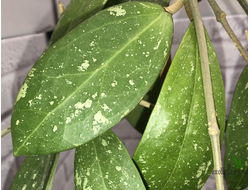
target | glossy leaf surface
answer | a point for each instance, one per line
(104, 163)
(91, 78)
(36, 172)
(76, 12)
(175, 151)
(236, 154)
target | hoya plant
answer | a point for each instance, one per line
(105, 61)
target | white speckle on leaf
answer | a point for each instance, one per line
(131, 82)
(22, 92)
(68, 82)
(39, 97)
(34, 176)
(51, 102)
(157, 46)
(31, 73)
(17, 122)
(83, 66)
(117, 11)
(195, 146)
(86, 104)
(104, 143)
(30, 102)
(106, 108)
(68, 120)
(113, 84)
(94, 95)
(24, 187)
(103, 94)
(118, 168)
(99, 118)
(55, 128)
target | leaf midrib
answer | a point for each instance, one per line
(105, 65)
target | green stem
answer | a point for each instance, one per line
(5, 132)
(175, 6)
(221, 17)
(213, 129)
(244, 5)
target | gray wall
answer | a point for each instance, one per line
(24, 27)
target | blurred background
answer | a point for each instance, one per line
(26, 28)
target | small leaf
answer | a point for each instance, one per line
(76, 12)
(36, 172)
(236, 152)
(104, 163)
(175, 151)
(91, 78)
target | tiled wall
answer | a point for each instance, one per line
(19, 53)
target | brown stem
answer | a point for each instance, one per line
(175, 6)
(221, 17)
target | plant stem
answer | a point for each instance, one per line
(146, 104)
(5, 132)
(213, 129)
(175, 6)
(221, 17)
(244, 5)
(188, 11)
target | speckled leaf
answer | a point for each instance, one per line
(236, 154)
(36, 172)
(104, 163)
(91, 78)
(175, 151)
(76, 12)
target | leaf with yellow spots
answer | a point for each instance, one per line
(175, 150)
(236, 141)
(104, 163)
(36, 172)
(91, 78)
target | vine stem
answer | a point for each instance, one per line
(221, 18)
(5, 132)
(175, 6)
(244, 5)
(213, 129)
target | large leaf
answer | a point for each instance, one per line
(36, 172)
(236, 154)
(175, 151)
(76, 12)
(91, 78)
(104, 163)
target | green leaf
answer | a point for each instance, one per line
(110, 3)
(104, 163)
(91, 78)
(76, 12)
(236, 142)
(139, 116)
(175, 151)
(36, 172)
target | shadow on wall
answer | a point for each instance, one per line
(19, 54)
